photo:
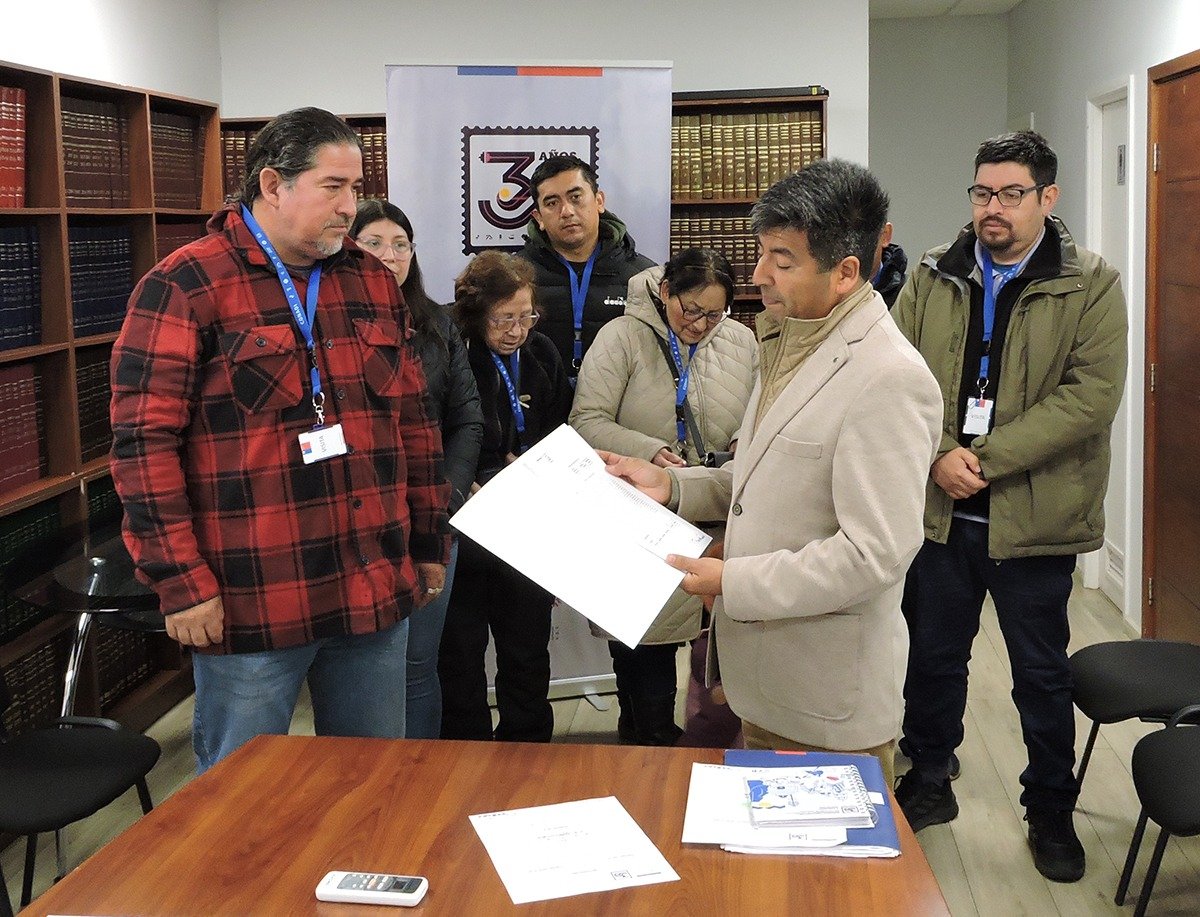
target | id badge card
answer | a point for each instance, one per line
(321, 443)
(979, 417)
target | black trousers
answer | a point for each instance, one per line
(490, 595)
(646, 671)
(943, 598)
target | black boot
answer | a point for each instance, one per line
(626, 730)
(654, 720)
(925, 802)
(1057, 853)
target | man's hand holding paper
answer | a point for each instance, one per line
(582, 533)
(647, 477)
(701, 575)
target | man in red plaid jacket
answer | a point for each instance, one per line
(281, 477)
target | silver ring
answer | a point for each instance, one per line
(431, 590)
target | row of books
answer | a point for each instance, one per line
(170, 236)
(94, 392)
(716, 156)
(235, 142)
(729, 235)
(25, 534)
(103, 505)
(374, 142)
(746, 313)
(22, 460)
(20, 287)
(177, 151)
(123, 661)
(101, 260)
(12, 146)
(95, 153)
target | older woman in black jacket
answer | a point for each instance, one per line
(384, 230)
(525, 394)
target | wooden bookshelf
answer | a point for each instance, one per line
(727, 147)
(238, 133)
(114, 176)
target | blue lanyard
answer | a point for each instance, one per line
(994, 280)
(304, 316)
(681, 384)
(579, 292)
(512, 382)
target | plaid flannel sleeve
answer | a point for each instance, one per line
(155, 380)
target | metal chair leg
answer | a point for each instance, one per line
(1087, 752)
(1135, 845)
(144, 796)
(1152, 873)
(30, 859)
(71, 680)
(60, 858)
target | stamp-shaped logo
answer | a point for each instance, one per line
(498, 163)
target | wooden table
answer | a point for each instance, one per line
(256, 833)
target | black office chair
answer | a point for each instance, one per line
(1166, 773)
(55, 776)
(1123, 679)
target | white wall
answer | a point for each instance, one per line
(939, 85)
(278, 54)
(1060, 54)
(168, 46)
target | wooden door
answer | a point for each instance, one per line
(1171, 599)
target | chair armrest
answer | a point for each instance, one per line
(94, 721)
(1184, 715)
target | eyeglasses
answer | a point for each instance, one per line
(691, 316)
(507, 322)
(981, 195)
(377, 246)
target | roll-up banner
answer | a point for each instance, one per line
(463, 142)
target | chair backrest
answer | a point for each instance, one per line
(1189, 714)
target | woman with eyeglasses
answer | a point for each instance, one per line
(668, 381)
(525, 394)
(384, 230)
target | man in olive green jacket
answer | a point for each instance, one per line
(1026, 334)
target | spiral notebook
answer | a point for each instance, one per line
(832, 795)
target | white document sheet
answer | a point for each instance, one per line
(718, 812)
(572, 848)
(591, 539)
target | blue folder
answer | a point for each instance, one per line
(882, 835)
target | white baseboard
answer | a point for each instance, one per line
(1112, 574)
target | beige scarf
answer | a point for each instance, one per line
(784, 344)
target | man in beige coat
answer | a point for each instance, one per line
(826, 493)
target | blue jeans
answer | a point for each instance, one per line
(423, 719)
(356, 682)
(943, 598)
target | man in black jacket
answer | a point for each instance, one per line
(890, 269)
(582, 254)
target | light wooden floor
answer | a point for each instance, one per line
(980, 860)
